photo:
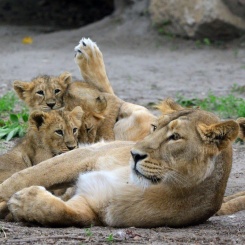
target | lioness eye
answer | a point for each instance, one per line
(74, 130)
(154, 127)
(174, 136)
(56, 91)
(40, 92)
(60, 132)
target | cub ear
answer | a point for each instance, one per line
(168, 106)
(221, 134)
(66, 77)
(78, 113)
(37, 118)
(20, 88)
(241, 122)
(100, 104)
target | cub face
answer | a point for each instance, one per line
(57, 130)
(43, 93)
(182, 150)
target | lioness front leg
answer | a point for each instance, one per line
(35, 204)
(91, 64)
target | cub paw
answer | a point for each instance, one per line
(25, 204)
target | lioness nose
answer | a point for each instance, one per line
(51, 105)
(138, 156)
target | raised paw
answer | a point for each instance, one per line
(30, 204)
(86, 49)
(91, 64)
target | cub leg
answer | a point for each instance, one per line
(232, 206)
(35, 204)
(91, 64)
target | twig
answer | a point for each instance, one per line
(46, 237)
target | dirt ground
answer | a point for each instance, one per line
(143, 68)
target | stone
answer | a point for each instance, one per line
(196, 19)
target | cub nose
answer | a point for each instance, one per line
(51, 105)
(71, 147)
(137, 156)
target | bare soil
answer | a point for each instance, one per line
(143, 68)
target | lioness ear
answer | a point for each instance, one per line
(221, 134)
(20, 88)
(66, 77)
(169, 106)
(78, 113)
(241, 122)
(37, 118)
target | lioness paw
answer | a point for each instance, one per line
(25, 204)
(85, 49)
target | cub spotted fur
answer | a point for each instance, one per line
(176, 176)
(107, 116)
(48, 135)
(43, 93)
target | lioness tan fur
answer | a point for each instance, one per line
(236, 202)
(176, 176)
(48, 135)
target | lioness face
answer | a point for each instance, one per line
(182, 149)
(58, 130)
(44, 93)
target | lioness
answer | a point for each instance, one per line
(236, 202)
(176, 176)
(49, 134)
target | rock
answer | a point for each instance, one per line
(196, 19)
(237, 7)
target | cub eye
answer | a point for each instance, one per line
(154, 127)
(56, 91)
(60, 132)
(40, 92)
(175, 136)
(88, 129)
(74, 130)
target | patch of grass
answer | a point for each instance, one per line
(228, 106)
(13, 120)
(88, 232)
(110, 238)
(238, 89)
(7, 102)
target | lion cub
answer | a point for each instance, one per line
(43, 93)
(49, 134)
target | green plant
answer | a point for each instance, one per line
(15, 126)
(227, 106)
(13, 120)
(110, 238)
(238, 89)
(88, 232)
(7, 102)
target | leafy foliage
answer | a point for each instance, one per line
(228, 106)
(13, 121)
